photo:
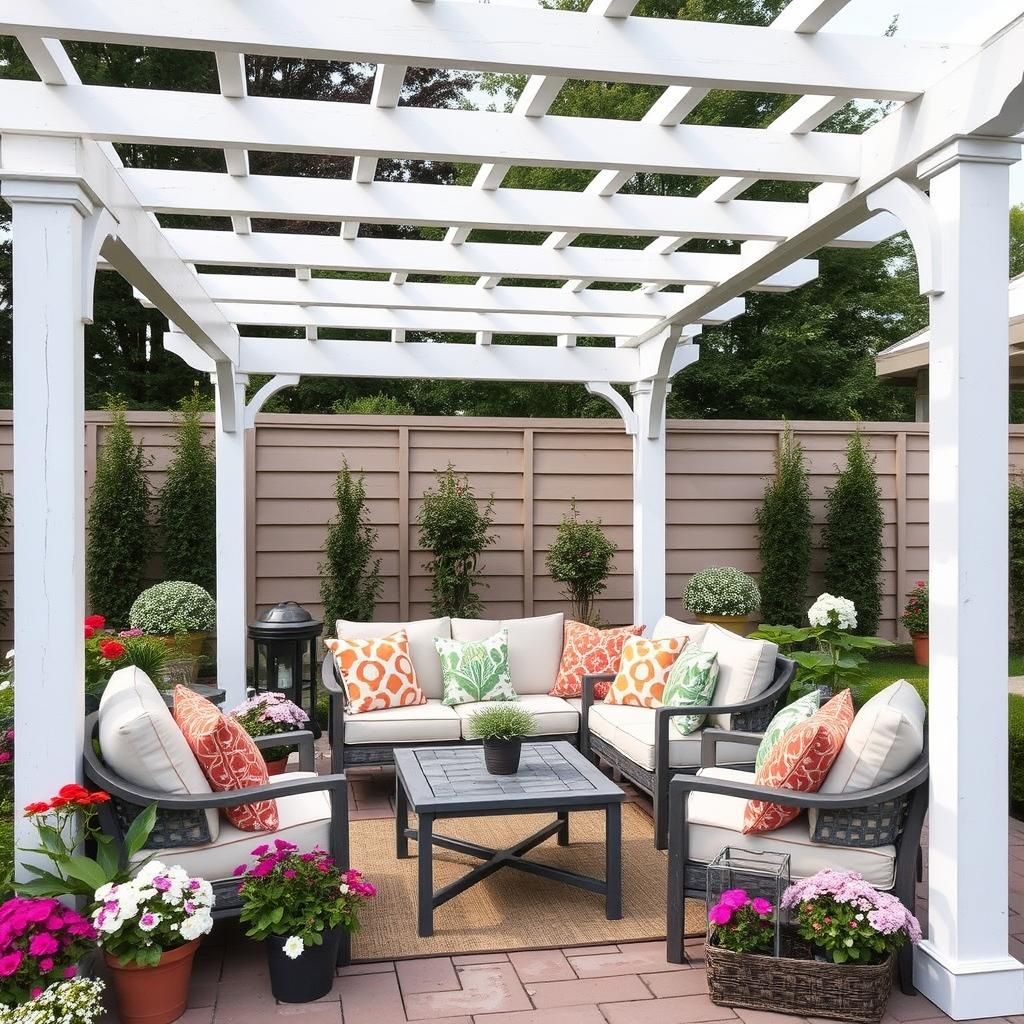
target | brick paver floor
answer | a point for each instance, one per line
(612, 984)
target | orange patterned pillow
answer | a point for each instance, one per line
(228, 757)
(586, 651)
(800, 761)
(644, 670)
(377, 673)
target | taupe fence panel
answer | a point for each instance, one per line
(533, 469)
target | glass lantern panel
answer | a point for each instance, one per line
(759, 873)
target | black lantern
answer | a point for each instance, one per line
(284, 654)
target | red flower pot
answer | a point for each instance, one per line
(920, 641)
(153, 995)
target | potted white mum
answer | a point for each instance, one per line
(723, 595)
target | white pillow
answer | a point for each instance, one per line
(422, 653)
(140, 741)
(534, 647)
(746, 668)
(667, 627)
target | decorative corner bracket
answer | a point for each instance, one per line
(602, 389)
(913, 209)
(265, 393)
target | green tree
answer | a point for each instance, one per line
(1017, 557)
(784, 531)
(580, 559)
(349, 574)
(373, 405)
(119, 537)
(188, 501)
(455, 530)
(852, 537)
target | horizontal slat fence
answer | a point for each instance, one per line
(717, 470)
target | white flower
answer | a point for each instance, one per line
(149, 871)
(10, 655)
(838, 612)
(293, 947)
(195, 926)
(343, 888)
(149, 921)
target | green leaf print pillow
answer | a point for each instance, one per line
(692, 681)
(475, 669)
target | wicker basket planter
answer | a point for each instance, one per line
(796, 983)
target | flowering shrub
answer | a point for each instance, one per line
(78, 1001)
(173, 607)
(106, 651)
(721, 590)
(41, 940)
(915, 614)
(161, 908)
(840, 913)
(299, 895)
(269, 713)
(741, 923)
(837, 612)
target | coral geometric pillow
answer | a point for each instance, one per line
(644, 671)
(377, 673)
(587, 650)
(228, 757)
(800, 761)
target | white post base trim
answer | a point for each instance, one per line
(972, 988)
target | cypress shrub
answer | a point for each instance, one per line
(581, 559)
(349, 574)
(188, 502)
(784, 531)
(119, 538)
(853, 536)
(454, 529)
(1017, 558)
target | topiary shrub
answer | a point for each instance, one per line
(581, 559)
(852, 537)
(784, 531)
(188, 501)
(1016, 512)
(349, 574)
(455, 530)
(174, 607)
(119, 537)
(721, 590)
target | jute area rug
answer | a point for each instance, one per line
(512, 910)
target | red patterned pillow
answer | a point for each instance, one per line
(587, 650)
(800, 761)
(228, 757)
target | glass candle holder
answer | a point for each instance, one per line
(760, 874)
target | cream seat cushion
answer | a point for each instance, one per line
(745, 668)
(555, 716)
(715, 821)
(432, 722)
(694, 632)
(304, 820)
(534, 647)
(422, 653)
(140, 741)
(631, 732)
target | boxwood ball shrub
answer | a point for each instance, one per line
(174, 607)
(721, 590)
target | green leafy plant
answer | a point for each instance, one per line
(721, 590)
(505, 721)
(580, 559)
(1016, 516)
(188, 501)
(349, 574)
(852, 537)
(119, 537)
(373, 405)
(175, 606)
(784, 531)
(455, 530)
(6, 510)
(915, 614)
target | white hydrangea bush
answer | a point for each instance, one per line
(173, 607)
(837, 612)
(722, 590)
(79, 1001)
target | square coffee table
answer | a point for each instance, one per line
(451, 782)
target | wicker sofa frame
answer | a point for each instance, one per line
(747, 716)
(893, 813)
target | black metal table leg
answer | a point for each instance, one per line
(425, 852)
(563, 830)
(613, 861)
(401, 820)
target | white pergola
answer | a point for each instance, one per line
(936, 165)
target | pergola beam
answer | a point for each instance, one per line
(510, 39)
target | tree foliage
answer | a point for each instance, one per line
(349, 574)
(1016, 511)
(784, 531)
(455, 529)
(119, 537)
(852, 537)
(580, 559)
(188, 501)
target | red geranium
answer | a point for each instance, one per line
(111, 649)
(72, 795)
(89, 632)
(95, 621)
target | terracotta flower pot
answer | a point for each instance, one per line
(278, 766)
(734, 623)
(920, 641)
(153, 995)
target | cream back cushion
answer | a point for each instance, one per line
(745, 668)
(140, 741)
(425, 662)
(534, 647)
(667, 627)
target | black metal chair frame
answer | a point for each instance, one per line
(689, 878)
(751, 715)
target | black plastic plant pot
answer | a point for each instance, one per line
(310, 975)
(501, 757)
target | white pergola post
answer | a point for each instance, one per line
(964, 965)
(231, 553)
(648, 503)
(49, 473)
